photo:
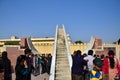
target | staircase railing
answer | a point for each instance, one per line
(30, 45)
(68, 49)
(90, 45)
(52, 70)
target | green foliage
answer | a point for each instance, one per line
(78, 42)
(119, 41)
(12, 43)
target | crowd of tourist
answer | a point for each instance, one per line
(95, 67)
(85, 66)
(26, 65)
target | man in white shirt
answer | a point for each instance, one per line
(89, 59)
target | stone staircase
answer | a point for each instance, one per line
(62, 71)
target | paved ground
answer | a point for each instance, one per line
(44, 76)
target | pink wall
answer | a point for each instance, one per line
(13, 53)
(98, 44)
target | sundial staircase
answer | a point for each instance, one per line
(61, 58)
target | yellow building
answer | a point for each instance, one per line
(45, 45)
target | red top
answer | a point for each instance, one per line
(105, 66)
(119, 69)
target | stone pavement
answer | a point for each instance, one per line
(44, 76)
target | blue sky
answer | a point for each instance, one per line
(82, 18)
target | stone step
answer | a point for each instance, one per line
(62, 71)
(62, 77)
(66, 74)
(62, 62)
(61, 55)
(66, 69)
(61, 50)
(62, 65)
(61, 59)
(60, 46)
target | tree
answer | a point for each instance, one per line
(12, 43)
(79, 41)
(118, 41)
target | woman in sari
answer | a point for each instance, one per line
(110, 66)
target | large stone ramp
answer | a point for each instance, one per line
(30, 45)
(61, 58)
(90, 45)
(62, 70)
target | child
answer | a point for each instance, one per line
(96, 74)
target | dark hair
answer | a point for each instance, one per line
(74, 52)
(78, 53)
(20, 59)
(84, 55)
(90, 52)
(94, 55)
(49, 54)
(4, 55)
(102, 56)
(97, 62)
(27, 51)
(111, 52)
(111, 59)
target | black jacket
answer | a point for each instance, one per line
(21, 72)
(6, 68)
